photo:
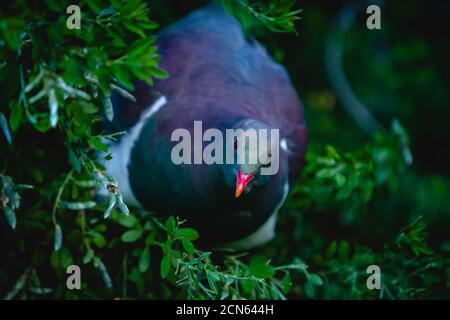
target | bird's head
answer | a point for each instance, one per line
(256, 149)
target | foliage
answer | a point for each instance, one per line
(57, 83)
(277, 16)
(348, 179)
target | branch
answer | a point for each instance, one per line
(333, 63)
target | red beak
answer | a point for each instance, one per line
(242, 181)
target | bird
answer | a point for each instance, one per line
(226, 80)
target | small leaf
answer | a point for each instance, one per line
(148, 24)
(108, 11)
(96, 144)
(105, 274)
(188, 246)
(148, 226)
(22, 186)
(53, 106)
(211, 283)
(165, 267)
(36, 290)
(58, 237)
(247, 285)
(331, 251)
(111, 204)
(15, 116)
(131, 236)
(107, 105)
(88, 257)
(127, 221)
(344, 249)
(85, 183)
(150, 239)
(74, 160)
(159, 73)
(260, 268)
(77, 205)
(340, 180)
(98, 239)
(122, 206)
(287, 283)
(5, 128)
(170, 225)
(187, 233)
(122, 76)
(315, 280)
(133, 28)
(326, 173)
(10, 217)
(61, 258)
(144, 260)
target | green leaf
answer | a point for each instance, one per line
(144, 260)
(131, 236)
(150, 25)
(53, 106)
(22, 186)
(260, 268)
(211, 282)
(340, 180)
(315, 280)
(96, 144)
(187, 233)
(170, 225)
(108, 11)
(74, 160)
(5, 128)
(247, 285)
(61, 258)
(127, 221)
(159, 73)
(150, 238)
(111, 204)
(122, 75)
(287, 283)
(107, 105)
(98, 239)
(16, 115)
(326, 173)
(122, 206)
(276, 293)
(165, 266)
(57, 242)
(344, 250)
(134, 28)
(105, 274)
(77, 205)
(148, 226)
(188, 246)
(10, 217)
(88, 256)
(331, 251)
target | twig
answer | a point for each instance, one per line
(333, 63)
(59, 194)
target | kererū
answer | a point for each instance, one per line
(226, 81)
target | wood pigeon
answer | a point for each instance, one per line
(226, 81)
